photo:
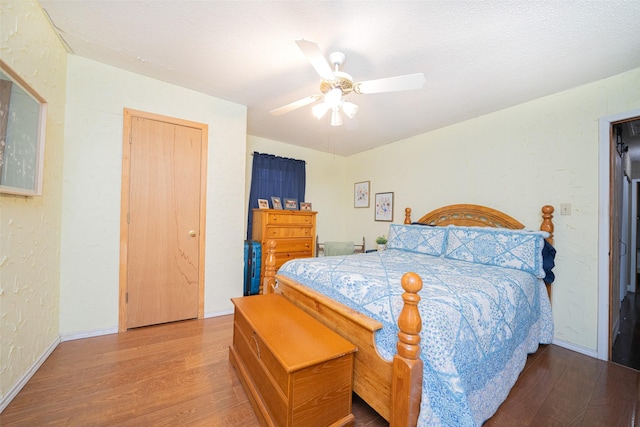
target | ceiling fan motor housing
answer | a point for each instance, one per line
(343, 81)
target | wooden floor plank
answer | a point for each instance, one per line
(567, 402)
(179, 374)
(614, 398)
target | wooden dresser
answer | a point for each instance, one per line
(293, 231)
(295, 370)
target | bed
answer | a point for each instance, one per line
(461, 377)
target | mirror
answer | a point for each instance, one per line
(23, 115)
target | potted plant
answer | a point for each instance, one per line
(382, 243)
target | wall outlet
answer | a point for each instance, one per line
(565, 208)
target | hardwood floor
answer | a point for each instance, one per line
(179, 374)
(626, 347)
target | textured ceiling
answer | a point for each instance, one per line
(477, 56)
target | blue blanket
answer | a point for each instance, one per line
(479, 322)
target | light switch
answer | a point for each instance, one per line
(565, 208)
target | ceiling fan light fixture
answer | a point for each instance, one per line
(319, 110)
(349, 108)
(333, 98)
(336, 118)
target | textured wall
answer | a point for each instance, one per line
(90, 243)
(30, 226)
(517, 160)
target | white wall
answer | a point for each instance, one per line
(30, 226)
(326, 188)
(89, 268)
(516, 160)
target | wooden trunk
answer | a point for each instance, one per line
(296, 371)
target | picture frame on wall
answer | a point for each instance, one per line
(361, 194)
(263, 203)
(275, 201)
(384, 207)
(291, 204)
(305, 206)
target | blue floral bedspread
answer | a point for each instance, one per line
(479, 322)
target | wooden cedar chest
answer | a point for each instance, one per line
(296, 371)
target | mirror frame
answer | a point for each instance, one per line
(39, 126)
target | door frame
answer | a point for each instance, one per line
(633, 248)
(124, 206)
(604, 306)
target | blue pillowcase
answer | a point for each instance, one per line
(518, 249)
(414, 238)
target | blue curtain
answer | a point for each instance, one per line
(275, 176)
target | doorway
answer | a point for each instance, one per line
(626, 342)
(610, 231)
(162, 220)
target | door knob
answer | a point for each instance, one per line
(192, 233)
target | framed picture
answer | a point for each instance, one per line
(384, 207)
(361, 194)
(275, 201)
(263, 203)
(305, 206)
(291, 204)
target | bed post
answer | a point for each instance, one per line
(407, 215)
(547, 225)
(269, 281)
(547, 222)
(406, 386)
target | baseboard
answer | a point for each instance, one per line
(576, 348)
(114, 330)
(88, 334)
(13, 392)
(218, 313)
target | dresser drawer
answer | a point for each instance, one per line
(281, 258)
(294, 245)
(289, 219)
(280, 232)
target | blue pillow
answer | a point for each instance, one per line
(415, 238)
(518, 249)
(548, 262)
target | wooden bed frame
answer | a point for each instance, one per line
(393, 389)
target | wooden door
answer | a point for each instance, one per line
(162, 241)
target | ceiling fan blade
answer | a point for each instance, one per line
(391, 84)
(295, 105)
(315, 56)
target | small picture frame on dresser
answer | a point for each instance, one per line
(291, 204)
(305, 206)
(275, 201)
(263, 203)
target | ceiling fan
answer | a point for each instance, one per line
(336, 84)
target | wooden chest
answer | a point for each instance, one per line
(293, 231)
(296, 371)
